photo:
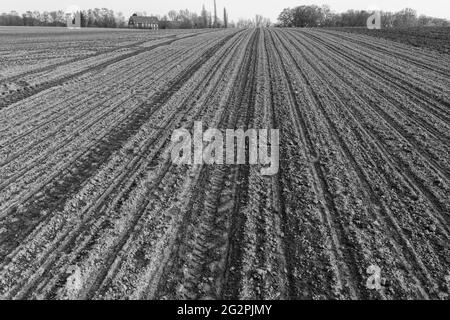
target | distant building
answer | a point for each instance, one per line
(140, 22)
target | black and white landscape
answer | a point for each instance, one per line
(92, 205)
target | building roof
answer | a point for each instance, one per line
(140, 19)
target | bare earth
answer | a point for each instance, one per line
(91, 206)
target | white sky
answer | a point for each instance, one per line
(236, 8)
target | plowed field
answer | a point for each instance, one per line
(92, 207)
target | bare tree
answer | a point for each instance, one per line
(225, 18)
(173, 15)
(120, 20)
(314, 16)
(215, 14)
(258, 22)
(405, 18)
(245, 24)
(204, 17)
(266, 22)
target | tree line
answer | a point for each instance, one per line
(186, 19)
(106, 18)
(100, 18)
(314, 16)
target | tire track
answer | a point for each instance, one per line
(388, 82)
(344, 259)
(279, 200)
(26, 150)
(212, 210)
(44, 114)
(417, 93)
(97, 68)
(411, 176)
(101, 291)
(72, 179)
(392, 223)
(103, 279)
(134, 45)
(131, 169)
(383, 49)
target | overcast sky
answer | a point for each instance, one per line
(236, 8)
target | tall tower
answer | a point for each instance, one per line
(225, 18)
(215, 14)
